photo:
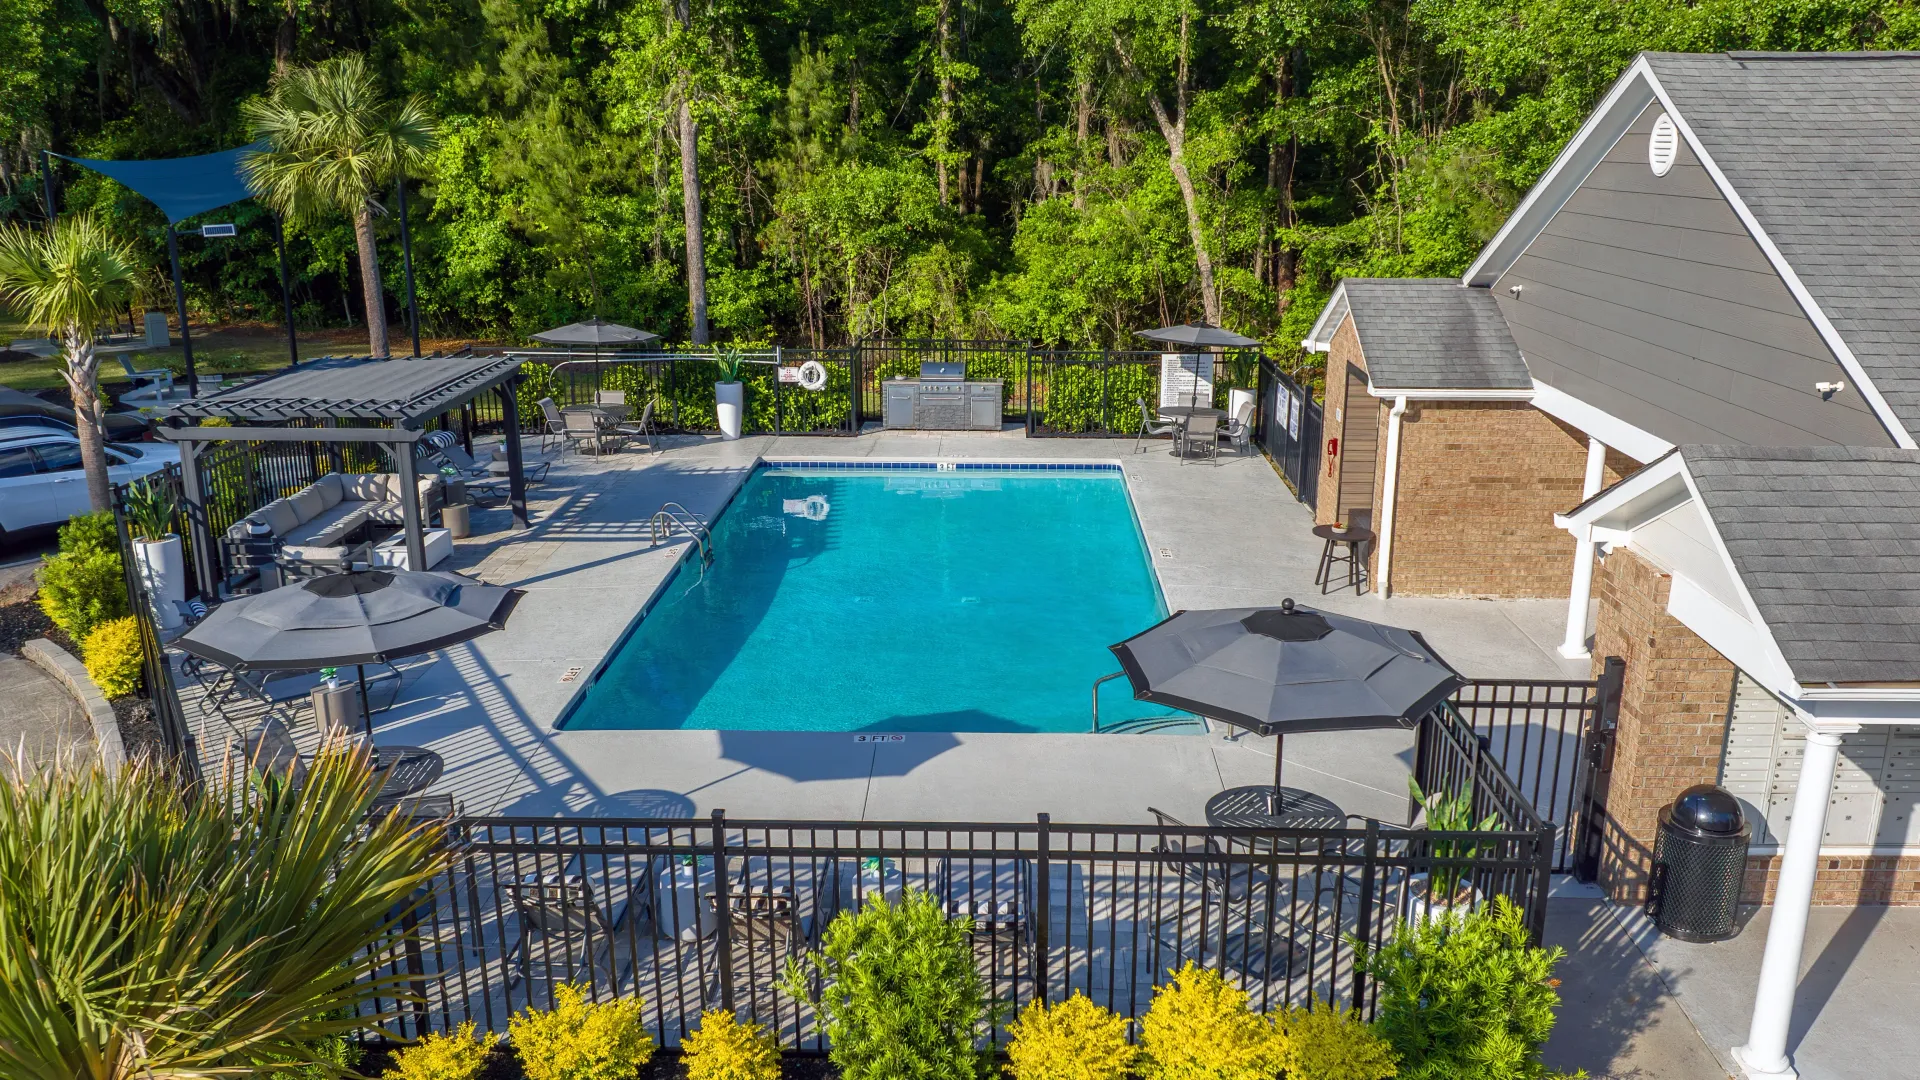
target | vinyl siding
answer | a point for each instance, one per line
(1359, 451)
(1646, 297)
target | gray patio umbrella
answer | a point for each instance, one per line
(1275, 671)
(595, 332)
(359, 618)
(1200, 334)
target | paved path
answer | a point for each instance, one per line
(38, 718)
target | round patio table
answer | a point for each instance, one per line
(1180, 414)
(1253, 807)
(405, 770)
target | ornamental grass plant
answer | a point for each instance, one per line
(230, 930)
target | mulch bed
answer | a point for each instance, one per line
(504, 1064)
(21, 619)
(139, 731)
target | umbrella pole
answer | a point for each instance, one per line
(366, 713)
(1279, 758)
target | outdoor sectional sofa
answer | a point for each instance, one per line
(313, 523)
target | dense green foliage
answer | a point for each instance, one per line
(1073, 1040)
(579, 1039)
(1200, 1027)
(897, 991)
(1467, 998)
(83, 584)
(1052, 169)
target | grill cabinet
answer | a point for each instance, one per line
(941, 399)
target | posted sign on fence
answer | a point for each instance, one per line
(1186, 379)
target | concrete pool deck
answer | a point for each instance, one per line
(1221, 535)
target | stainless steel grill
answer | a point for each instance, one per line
(942, 399)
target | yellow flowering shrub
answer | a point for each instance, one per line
(1325, 1043)
(1074, 1040)
(723, 1048)
(1199, 1028)
(112, 655)
(457, 1055)
(581, 1040)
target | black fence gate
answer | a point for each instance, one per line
(1289, 429)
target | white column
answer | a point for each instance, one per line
(1578, 597)
(1764, 1057)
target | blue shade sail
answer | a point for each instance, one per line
(181, 187)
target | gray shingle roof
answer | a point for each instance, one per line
(1827, 541)
(1433, 334)
(1824, 150)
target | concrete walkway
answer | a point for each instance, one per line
(39, 720)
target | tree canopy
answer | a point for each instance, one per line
(1062, 170)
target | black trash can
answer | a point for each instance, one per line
(1699, 861)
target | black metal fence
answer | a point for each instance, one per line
(1289, 428)
(691, 914)
(156, 674)
(1550, 737)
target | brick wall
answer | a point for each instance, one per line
(1479, 484)
(1844, 880)
(1673, 712)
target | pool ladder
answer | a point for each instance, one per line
(673, 514)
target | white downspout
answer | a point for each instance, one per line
(1389, 491)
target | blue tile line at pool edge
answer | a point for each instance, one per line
(942, 466)
(586, 684)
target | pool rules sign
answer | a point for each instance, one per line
(1186, 379)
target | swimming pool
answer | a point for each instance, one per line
(893, 598)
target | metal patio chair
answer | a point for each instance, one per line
(1229, 923)
(1204, 429)
(1148, 428)
(765, 929)
(641, 429)
(556, 425)
(1239, 429)
(997, 893)
(559, 912)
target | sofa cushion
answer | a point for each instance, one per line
(329, 488)
(308, 503)
(331, 526)
(280, 516)
(366, 487)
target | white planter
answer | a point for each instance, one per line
(163, 570)
(1237, 398)
(729, 402)
(1422, 907)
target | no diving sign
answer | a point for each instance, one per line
(878, 737)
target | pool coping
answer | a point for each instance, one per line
(912, 464)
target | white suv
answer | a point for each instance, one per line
(41, 482)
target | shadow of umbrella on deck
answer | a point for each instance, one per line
(833, 755)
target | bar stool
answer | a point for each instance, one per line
(1353, 539)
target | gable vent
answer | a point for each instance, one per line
(1663, 145)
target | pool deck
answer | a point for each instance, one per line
(1223, 535)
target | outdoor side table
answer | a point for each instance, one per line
(404, 771)
(458, 520)
(679, 909)
(1355, 540)
(1255, 807)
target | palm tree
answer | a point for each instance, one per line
(333, 143)
(150, 932)
(66, 281)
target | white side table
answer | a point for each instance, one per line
(393, 551)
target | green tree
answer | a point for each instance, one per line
(68, 280)
(333, 143)
(148, 932)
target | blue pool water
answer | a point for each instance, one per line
(893, 599)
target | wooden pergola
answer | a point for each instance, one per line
(354, 400)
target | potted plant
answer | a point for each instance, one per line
(729, 395)
(156, 547)
(1241, 372)
(1445, 890)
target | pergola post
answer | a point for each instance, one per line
(410, 505)
(516, 475)
(193, 489)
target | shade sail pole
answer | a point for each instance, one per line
(406, 260)
(180, 305)
(46, 187)
(286, 291)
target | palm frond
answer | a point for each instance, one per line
(66, 279)
(148, 933)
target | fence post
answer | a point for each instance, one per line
(723, 932)
(1595, 767)
(779, 417)
(1363, 923)
(1043, 916)
(1030, 413)
(856, 385)
(1542, 880)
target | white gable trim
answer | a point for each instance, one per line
(1635, 90)
(1637, 443)
(1320, 338)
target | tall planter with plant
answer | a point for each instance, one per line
(157, 552)
(898, 993)
(1447, 888)
(729, 394)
